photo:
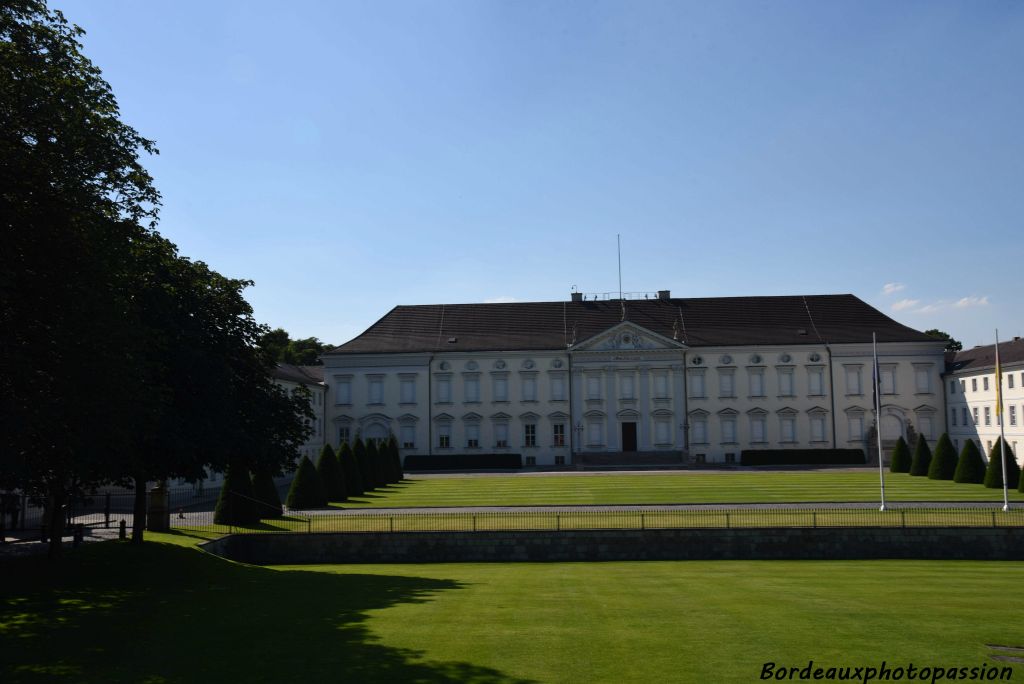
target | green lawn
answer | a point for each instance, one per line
(168, 613)
(671, 487)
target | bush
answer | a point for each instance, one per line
(395, 460)
(353, 479)
(265, 492)
(943, 460)
(363, 464)
(994, 472)
(307, 490)
(373, 463)
(759, 457)
(971, 467)
(900, 457)
(235, 505)
(331, 474)
(463, 461)
(922, 458)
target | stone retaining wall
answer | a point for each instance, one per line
(625, 545)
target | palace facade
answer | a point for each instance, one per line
(659, 380)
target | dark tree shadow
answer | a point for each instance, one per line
(164, 613)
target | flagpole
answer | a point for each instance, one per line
(877, 382)
(1002, 428)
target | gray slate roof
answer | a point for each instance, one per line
(981, 358)
(304, 375)
(709, 321)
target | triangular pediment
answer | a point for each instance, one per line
(627, 336)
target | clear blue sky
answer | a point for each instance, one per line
(351, 156)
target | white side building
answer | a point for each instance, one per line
(291, 377)
(655, 380)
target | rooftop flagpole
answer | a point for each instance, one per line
(877, 382)
(1002, 428)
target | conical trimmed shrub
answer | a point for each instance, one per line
(265, 493)
(236, 503)
(396, 460)
(900, 457)
(943, 464)
(353, 479)
(359, 456)
(373, 464)
(307, 490)
(970, 468)
(994, 472)
(331, 475)
(922, 458)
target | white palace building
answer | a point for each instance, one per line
(623, 381)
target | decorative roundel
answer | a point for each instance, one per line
(528, 363)
(557, 363)
(697, 361)
(726, 360)
(445, 365)
(785, 358)
(499, 364)
(472, 365)
(815, 357)
(627, 339)
(755, 358)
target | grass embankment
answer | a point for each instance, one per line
(168, 613)
(670, 487)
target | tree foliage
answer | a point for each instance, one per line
(922, 457)
(280, 348)
(901, 461)
(237, 503)
(970, 467)
(994, 471)
(952, 344)
(943, 465)
(307, 490)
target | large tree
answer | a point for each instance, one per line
(281, 348)
(952, 344)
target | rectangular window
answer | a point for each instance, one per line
(964, 416)
(593, 387)
(988, 415)
(788, 429)
(501, 388)
(757, 382)
(559, 460)
(472, 388)
(927, 427)
(888, 379)
(662, 432)
(1009, 381)
(529, 388)
(758, 433)
(974, 384)
(344, 434)
(952, 386)
(815, 382)
(557, 388)
(817, 428)
(444, 390)
(853, 380)
(376, 391)
(699, 430)
(963, 387)
(661, 386)
(856, 426)
(558, 435)
(408, 436)
(531, 460)
(726, 384)
(697, 385)
(472, 436)
(984, 383)
(728, 430)
(444, 436)
(1013, 414)
(343, 392)
(501, 435)
(923, 380)
(952, 415)
(626, 387)
(594, 436)
(785, 382)
(407, 391)
(530, 435)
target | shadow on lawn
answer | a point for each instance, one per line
(166, 613)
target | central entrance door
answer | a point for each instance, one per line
(629, 436)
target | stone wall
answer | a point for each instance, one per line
(625, 545)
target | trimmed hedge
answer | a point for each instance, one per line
(901, 461)
(922, 458)
(362, 464)
(994, 472)
(307, 489)
(463, 461)
(943, 464)
(265, 492)
(971, 467)
(353, 479)
(374, 479)
(759, 457)
(235, 505)
(331, 474)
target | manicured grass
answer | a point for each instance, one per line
(168, 613)
(671, 487)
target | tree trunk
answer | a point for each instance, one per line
(55, 518)
(139, 513)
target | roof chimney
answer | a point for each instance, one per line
(576, 296)
(664, 294)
